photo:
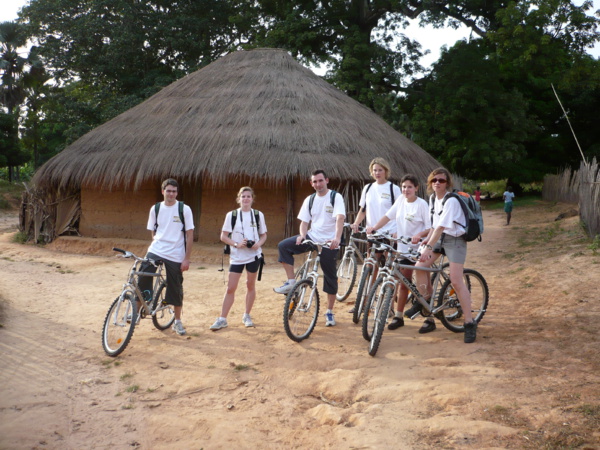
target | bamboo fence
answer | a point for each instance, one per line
(578, 186)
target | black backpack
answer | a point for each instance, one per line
(473, 218)
(391, 194)
(157, 208)
(227, 248)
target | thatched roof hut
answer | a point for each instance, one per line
(252, 117)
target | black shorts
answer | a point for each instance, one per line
(251, 267)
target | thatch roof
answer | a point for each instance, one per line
(256, 113)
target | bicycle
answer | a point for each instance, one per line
(367, 277)
(347, 267)
(446, 307)
(131, 306)
(301, 308)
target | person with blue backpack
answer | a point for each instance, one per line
(324, 211)
(172, 226)
(244, 232)
(448, 235)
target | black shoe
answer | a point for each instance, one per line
(470, 332)
(397, 322)
(427, 327)
(414, 311)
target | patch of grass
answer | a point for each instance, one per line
(505, 415)
(240, 367)
(133, 388)
(211, 367)
(595, 245)
(128, 406)
(201, 268)
(10, 194)
(20, 238)
(126, 376)
(590, 412)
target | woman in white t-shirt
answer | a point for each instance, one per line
(245, 238)
(375, 200)
(378, 197)
(412, 217)
(446, 233)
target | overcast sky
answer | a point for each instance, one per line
(430, 38)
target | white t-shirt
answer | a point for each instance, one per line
(508, 197)
(244, 228)
(324, 215)
(450, 215)
(378, 201)
(411, 218)
(168, 242)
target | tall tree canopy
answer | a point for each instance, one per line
(486, 104)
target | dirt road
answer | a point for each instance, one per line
(531, 380)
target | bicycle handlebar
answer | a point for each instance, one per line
(322, 244)
(128, 254)
(360, 229)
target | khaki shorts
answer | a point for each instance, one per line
(455, 248)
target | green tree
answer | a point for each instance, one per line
(488, 106)
(12, 71)
(109, 55)
(466, 118)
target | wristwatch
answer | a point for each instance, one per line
(428, 247)
(235, 244)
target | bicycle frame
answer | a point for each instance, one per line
(131, 285)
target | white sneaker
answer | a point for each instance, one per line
(329, 320)
(178, 328)
(285, 288)
(247, 321)
(219, 323)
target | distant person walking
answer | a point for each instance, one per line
(245, 231)
(508, 197)
(477, 195)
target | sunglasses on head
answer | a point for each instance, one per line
(438, 180)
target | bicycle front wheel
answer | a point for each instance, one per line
(366, 279)
(346, 275)
(452, 314)
(119, 325)
(164, 315)
(368, 319)
(381, 316)
(301, 310)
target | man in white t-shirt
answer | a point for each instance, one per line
(326, 224)
(171, 243)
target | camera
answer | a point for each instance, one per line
(250, 244)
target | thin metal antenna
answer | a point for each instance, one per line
(569, 122)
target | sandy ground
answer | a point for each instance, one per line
(530, 380)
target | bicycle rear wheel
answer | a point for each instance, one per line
(346, 274)
(119, 325)
(366, 279)
(301, 310)
(164, 315)
(368, 319)
(381, 316)
(452, 314)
